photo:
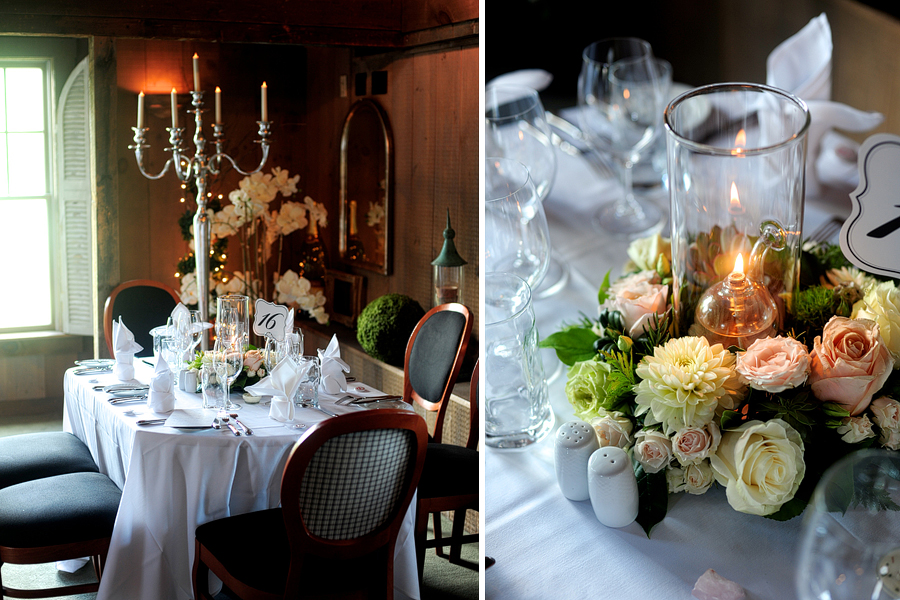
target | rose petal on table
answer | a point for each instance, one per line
(712, 586)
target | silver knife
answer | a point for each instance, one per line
(151, 422)
(247, 430)
(126, 399)
(368, 399)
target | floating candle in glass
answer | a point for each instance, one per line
(736, 311)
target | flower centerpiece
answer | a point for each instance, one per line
(763, 421)
(254, 218)
(252, 371)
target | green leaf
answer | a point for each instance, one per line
(653, 497)
(834, 410)
(601, 293)
(571, 345)
(789, 509)
(730, 420)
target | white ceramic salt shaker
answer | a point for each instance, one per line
(613, 487)
(575, 442)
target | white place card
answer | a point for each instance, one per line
(270, 319)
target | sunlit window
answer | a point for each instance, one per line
(26, 296)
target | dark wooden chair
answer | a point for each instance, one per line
(345, 490)
(434, 355)
(143, 304)
(450, 482)
(30, 456)
(60, 517)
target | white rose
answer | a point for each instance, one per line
(886, 412)
(692, 445)
(639, 298)
(882, 305)
(698, 478)
(761, 466)
(613, 429)
(856, 429)
(644, 252)
(890, 438)
(675, 479)
(653, 450)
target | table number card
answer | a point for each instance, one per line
(870, 237)
(270, 319)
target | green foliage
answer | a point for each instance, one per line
(813, 307)
(602, 292)
(620, 381)
(653, 497)
(572, 345)
(384, 327)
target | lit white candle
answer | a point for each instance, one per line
(218, 105)
(174, 109)
(265, 104)
(140, 123)
(196, 72)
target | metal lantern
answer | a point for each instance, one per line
(449, 268)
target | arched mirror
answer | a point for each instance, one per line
(366, 148)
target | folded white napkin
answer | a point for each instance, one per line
(333, 368)
(802, 65)
(181, 317)
(281, 384)
(161, 398)
(536, 79)
(124, 349)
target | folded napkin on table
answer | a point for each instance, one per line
(161, 398)
(281, 384)
(802, 65)
(181, 317)
(333, 368)
(124, 349)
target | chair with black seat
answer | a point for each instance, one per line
(143, 304)
(54, 518)
(450, 482)
(434, 356)
(30, 456)
(345, 490)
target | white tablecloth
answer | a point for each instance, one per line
(549, 547)
(172, 481)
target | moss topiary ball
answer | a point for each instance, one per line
(384, 327)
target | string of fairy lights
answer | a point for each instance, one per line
(218, 250)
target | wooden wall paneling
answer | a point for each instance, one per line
(104, 100)
(427, 14)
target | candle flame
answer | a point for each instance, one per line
(141, 94)
(264, 84)
(626, 94)
(218, 90)
(735, 199)
(195, 55)
(739, 264)
(740, 141)
(173, 91)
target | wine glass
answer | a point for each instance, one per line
(517, 239)
(228, 361)
(621, 102)
(850, 546)
(516, 127)
(197, 331)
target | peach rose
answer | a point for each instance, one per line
(773, 364)
(849, 363)
(638, 297)
(253, 359)
(886, 412)
(653, 450)
(692, 445)
(613, 429)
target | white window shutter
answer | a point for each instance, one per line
(74, 203)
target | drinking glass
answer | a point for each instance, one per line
(211, 387)
(228, 361)
(517, 406)
(234, 310)
(516, 127)
(621, 104)
(850, 546)
(308, 392)
(196, 331)
(517, 239)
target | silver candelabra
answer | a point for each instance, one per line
(199, 168)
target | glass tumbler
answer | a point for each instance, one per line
(235, 308)
(308, 392)
(736, 162)
(517, 407)
(211, 388)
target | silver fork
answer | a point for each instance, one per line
(827, 230)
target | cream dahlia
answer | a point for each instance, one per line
(683, 381)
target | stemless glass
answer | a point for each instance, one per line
(236, 309)
(517, 128)
(228, 361)
(850, 546)
(308, 392)
(517, 239)
(620, 111)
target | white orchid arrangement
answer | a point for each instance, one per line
(296, 291)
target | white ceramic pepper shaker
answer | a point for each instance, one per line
(575, 442)
(613, 487)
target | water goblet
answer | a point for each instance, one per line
(517, 239)
(196, 331)
(620, 110)
(516, 127)
(850, 545)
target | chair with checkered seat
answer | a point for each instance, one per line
(345, 490)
